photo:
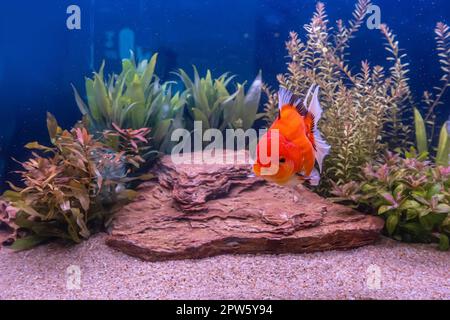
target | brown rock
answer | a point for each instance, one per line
(8, 229)
(196, 211)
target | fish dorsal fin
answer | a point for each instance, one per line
(315, 111)
(314, 105)
(307, 97)
(286, 97)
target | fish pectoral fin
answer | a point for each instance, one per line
(295, 180)
(313, 179)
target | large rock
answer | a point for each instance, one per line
(196, 211)
(8, 229)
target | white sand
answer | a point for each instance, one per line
(407, 272)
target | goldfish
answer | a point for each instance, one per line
(290, 149)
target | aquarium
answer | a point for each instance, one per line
(240, 149)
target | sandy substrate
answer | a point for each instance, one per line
(406, 272)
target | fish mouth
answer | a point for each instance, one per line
(282, 175)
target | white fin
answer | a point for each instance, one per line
(314, 106)
(295, 181)
(285, 97)
(307, 97)
(314, 178)
(322, 148)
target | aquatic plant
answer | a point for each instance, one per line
(411, 194)
(434, 100)
(210, 101)
(270, 106)
(72, 191)
(364, 113)
(133, 99)
(133, 144)
(443, 148)
(426, 127)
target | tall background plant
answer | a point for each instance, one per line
(211, 101)
(133, 99)
(365, 113)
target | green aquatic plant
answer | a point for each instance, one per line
(426, 127)
(71, 190)
(433, 100)
(367, 112)
(411, 194)
(363, 112)
(420, 132)
(443, 148)
(133, 99)
(270, 106)
(210, 101)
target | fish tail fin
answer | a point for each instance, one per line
(322, 149)
(286, 97)
(314, 113)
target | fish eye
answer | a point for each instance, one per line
(282, 160)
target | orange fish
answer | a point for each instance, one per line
(287, 153)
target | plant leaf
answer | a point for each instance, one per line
(251, 102)
(443, 242)
(149, 71)
(161, 130)
(443, 147)
(421, 134)
(52, 126)
(27, 243)
(391, 223)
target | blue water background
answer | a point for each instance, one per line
(40, 57)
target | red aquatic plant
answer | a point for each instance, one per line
(132, 143)
(70, 191)
(411, 194)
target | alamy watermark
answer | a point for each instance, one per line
(73, 277)
(73, 21)
(374, 19)
(213, 147)
(373, 280)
